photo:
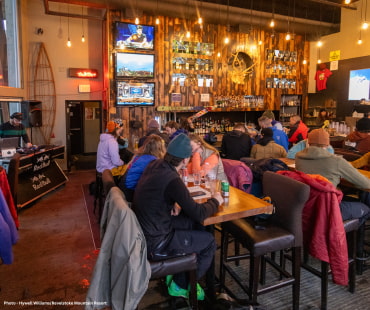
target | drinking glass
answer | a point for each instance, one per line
(197, 178)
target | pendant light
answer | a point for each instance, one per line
(137, 21)
(272, 21)
(227, 40)
(157, 19)
(365, 24)
(69, 44)
(82, 21)
(200, 19)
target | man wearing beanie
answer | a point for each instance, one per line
(271, 116)
(14, 128)
(315, 159)
(169, 215)
(153, 129)
(361, 136)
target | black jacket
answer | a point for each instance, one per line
(158, 189)
(235, 145)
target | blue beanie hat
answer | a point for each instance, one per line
(180, 146)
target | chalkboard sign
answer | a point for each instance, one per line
(43, 178)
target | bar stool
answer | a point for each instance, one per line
(283, 231)
(350, 227)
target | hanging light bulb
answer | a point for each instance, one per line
(347, 1)
(304, 61)
(69, 44)
(188, 34)
(226, 40)
(365, 25)
(272, 23)
(200, 20)
(319, 43)
(137, 20)
(319, 61)
(359, 41)
(260, 42)
(287, 37)
(218, 54)
(157, 19)
(82, 22)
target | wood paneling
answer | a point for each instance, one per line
(255, 84)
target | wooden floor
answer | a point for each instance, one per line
(55, 256)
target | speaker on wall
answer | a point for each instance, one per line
(32, 113)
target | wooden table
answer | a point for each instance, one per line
(238, 205)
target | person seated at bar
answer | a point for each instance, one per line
(266, 147)
(171, 127)
(185, 126)
(301, 145)
(297, 130)
(170, 218)
(363, 162)
(322, 117)
(14, 128)
(236, 143)
(279, 136)
(153, 128)
(271, 116)
(153, 148)
(315, 159)
(107, 156)
(253, 134)
(205, 159)
(361, 136)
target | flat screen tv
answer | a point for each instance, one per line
(132, 36)
(133, 65)
(359, 84)
(134, 93)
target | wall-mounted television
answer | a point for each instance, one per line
(359, 84)
(133, 65)
(132, 36)
(134, 93)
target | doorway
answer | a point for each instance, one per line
(83, 127)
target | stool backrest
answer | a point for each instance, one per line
(289, 197)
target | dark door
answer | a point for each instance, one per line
(74, 130)
(83, 123)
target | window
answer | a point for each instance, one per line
(9, 47)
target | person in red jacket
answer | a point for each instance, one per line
(298, 130)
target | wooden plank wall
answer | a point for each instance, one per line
(171, 28)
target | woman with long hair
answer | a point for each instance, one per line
(205, 158)
(107, 156)
(152, 149)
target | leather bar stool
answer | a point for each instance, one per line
(283, 231)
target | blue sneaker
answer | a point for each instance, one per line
(176, 291)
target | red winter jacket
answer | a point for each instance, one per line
(296, 130)
(322, 224)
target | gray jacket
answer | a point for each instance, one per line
(316, 160)
(122, 271)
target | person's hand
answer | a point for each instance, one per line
(176, 210)
(217, 195)
(28, 145)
